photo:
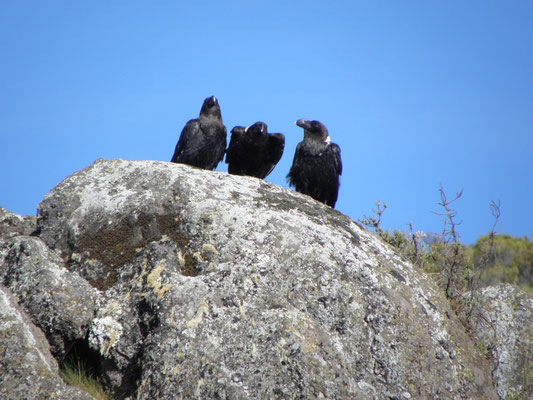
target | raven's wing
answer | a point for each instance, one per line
(331, 190)
(276, 144)
(223, 143)
(336, 150)
(295, 175)
(234, 144)
(191, 129)
(272, 154)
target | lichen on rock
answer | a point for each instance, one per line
(501, 322)
(104, 333)
(59, 301)
(232, 287)
(28, 369)
(208, 285)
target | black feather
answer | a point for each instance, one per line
(253, 151)
(203, 140)
(317, 164)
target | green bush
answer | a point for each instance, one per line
(511, 261)
(456, 267)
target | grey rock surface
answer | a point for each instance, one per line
(502, 326)
(220, 286)
(28, 371)
(12, 225)
(59, 302)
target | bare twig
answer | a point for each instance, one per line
(375, 221)
(453, 257)
(416, 244)
(486, 260)
(487, 252)
(449, 234)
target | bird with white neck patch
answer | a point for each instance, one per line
(317, 164)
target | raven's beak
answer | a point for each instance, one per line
(303, 123)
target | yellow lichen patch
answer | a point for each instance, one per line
(209, 251)
(181, 259)
(154, 275)
(107, 343)
(111, 308)
(202, 310)
(197, 257)
(180, 356)
(280, 346)
(143, 385)
(241, 308)
(199, 387)
(163, 291)
(92, 262)
(310, 346)
(303, 330)
(154, 281)
(140, 277)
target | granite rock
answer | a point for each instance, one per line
(28, 369)
(502, 327)
(219, 286)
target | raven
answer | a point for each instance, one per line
(203, 140)
(317, 164)
(253, 151)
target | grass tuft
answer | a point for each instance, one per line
(79, 376)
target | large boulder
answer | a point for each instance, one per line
(502, 326)
(218, 286)
(28, 371)
(59, 302)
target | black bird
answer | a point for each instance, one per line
(202, 141)
(317, 164)
(253, 151)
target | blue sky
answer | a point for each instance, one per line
(416, 93)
